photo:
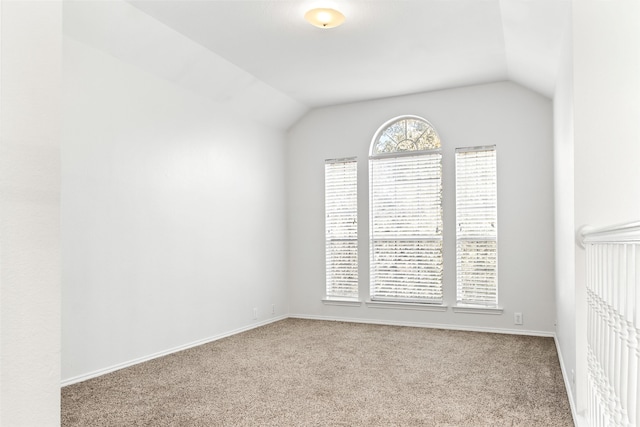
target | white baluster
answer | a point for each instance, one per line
(633, 379)
(617, 276)
(634, 372)
(609, 344)
(624, 334)
(613, 325)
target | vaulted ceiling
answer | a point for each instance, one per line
(385, 48)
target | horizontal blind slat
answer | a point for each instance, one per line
(476, 227)
(406, 201)
(341, 228)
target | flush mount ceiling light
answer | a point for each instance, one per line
(324, 18)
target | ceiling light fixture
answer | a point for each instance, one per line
(324, 18)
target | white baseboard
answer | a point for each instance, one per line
(427, 325)
(138, 360)
(578, 420)
(99, 372)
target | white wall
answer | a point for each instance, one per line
(30, 213)
(606, 86)
(518, 121)
(173, 215)
(564, 211)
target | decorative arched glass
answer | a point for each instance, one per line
(406, 133)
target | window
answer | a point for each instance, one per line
(341, 228)
(405, 167)
(477, 226)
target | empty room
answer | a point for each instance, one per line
(284, 213)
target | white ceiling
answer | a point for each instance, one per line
(385, 48)
(121, 31)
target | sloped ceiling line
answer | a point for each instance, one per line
(262, 59)
(122, 31)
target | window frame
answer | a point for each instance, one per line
(477, 235)
(420, 155)
(345, 264)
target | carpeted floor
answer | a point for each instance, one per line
(317, 373)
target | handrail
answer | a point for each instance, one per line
(626, 232)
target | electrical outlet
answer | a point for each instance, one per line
(517, 318)
(255, 313)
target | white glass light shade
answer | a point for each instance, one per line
(324, 17)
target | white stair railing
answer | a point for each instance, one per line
(613, 324)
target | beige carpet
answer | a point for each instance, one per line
(316, 373)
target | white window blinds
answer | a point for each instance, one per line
(476, 226)
(341, 228)
(406, 228)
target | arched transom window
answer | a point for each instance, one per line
(406, 133)
(405, 166)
